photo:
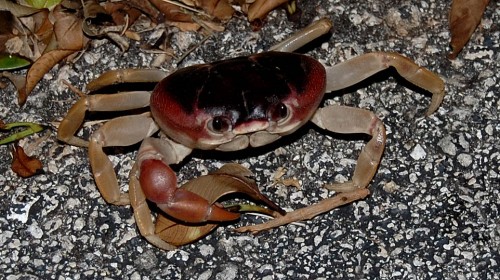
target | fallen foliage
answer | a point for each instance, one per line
(29, 129)
(24, 165)
(229, 179)
(44, 33)
(464, 18)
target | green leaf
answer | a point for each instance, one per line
(31, 128)
(11, 62)
(42, 3)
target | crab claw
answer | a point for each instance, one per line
(159, 184)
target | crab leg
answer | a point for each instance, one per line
(303, 36)
(357, 69)
(352, 71)
(341, 119)
(123, 131)
(99, 102)
(107, 102)
(345, 120)
(152, 179)
(114, 77)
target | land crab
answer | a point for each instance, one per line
(215, 107)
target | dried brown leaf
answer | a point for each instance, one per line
(97, 22)
(179, 234)
(16, 9)
(122, 13)
(41, 66)
(6, 28)
(260, 8)
(172, 13)
(146, 7)
(231, 178)
(176, 16)
(220, 9)
(465, 16)
(92, 11)
(185, 26)
(24, 165)
(43, 28)
(68, 31)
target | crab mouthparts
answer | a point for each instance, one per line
(251, 127)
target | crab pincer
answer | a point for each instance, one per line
(159, 184)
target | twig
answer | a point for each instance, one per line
(74, 89)
(186, 7)
(308, 212)
(181, 58)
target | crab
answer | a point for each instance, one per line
(229, 105)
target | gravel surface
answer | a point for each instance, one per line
(434, 208)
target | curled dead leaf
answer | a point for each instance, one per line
(464, 17)
(221, 10)
(38, 69)
(124, 14)
(16, 9)
(24, 165)
(68, 30)
(145, 7)
(176, 15)
(93, 12)
(43, 27)
(191, 15)
(98, 23)
(260, 8)
(231, 178)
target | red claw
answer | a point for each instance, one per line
(159, 184)
(158, 181)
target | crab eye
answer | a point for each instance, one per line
(279, 113)
(219, 124)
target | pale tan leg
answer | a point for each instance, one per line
(99, 102)
(346, 120)
(114, 77)
(72, 123)
(123, 131)
(169, 152)
(357, 69)
(304, 36)
(341, 119)
(107, 102)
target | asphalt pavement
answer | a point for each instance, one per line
(433, 212)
